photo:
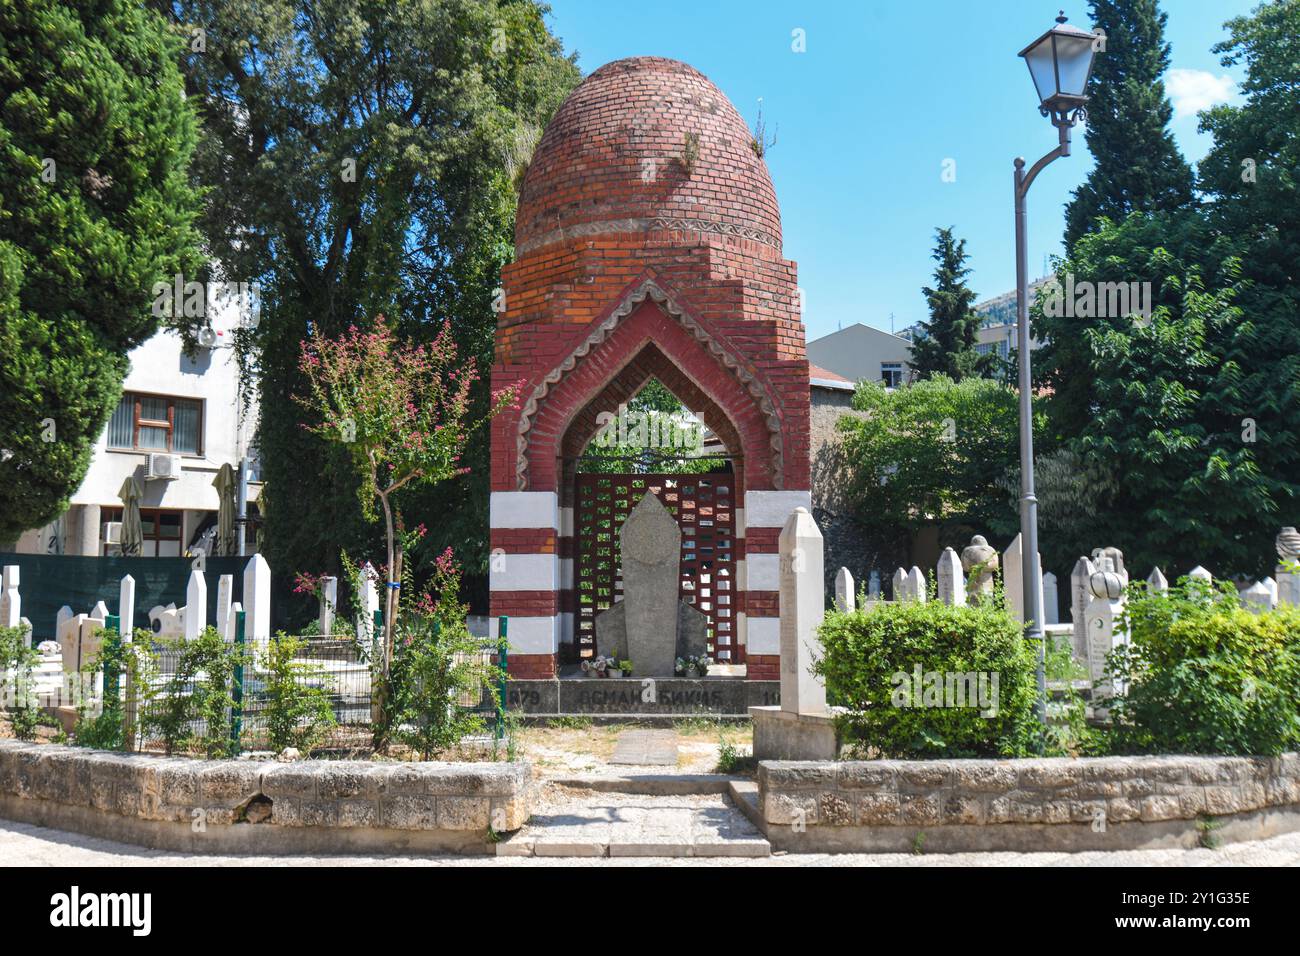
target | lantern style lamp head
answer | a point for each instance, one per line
(1060, 62)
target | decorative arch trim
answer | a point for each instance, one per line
(602, 330)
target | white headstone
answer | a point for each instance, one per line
(950, 583)
(329, 602)
(1080, 595)
(899, 582)
(99, 612)
(1104, 634)
(1272, 590)
(196, 605)
(1156, 582)
(225, 592)
(126, 608)
(1051, 600)
(845, 596)
(60, 620)
(1257, 598)
(11, 602)
(1013, 581)
(257, 602)
(1288, 588)
(369, 605)
(803, 606)
(915, 587)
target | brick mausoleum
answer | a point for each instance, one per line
(634, 260)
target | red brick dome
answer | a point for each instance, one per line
(615, 160)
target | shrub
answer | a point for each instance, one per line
(904, 671)
(16, 663)
(436, 668)
(1201, 674)
(297, 708)
(111, 725)
(193, 711)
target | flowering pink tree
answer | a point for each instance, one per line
(402, 412)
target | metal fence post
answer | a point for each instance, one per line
(237, 687)
(503, 648)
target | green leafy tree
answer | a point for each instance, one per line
(400, 412)
(1138, 166)
(362, 160)
(936, 452)
(653, 433)
(948, 346)
(95, 142)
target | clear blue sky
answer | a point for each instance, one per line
(886, 91)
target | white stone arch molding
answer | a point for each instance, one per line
(649, 289)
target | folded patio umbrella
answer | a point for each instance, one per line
(132, 532)
(225, 485)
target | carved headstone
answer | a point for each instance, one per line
(899, 584)
(257, 602)
(1080, 595)
(329, 600)
(1257, 598)
(1199, 573)
(650, 545)
(915, 587)
(980, 562)
(950, 582)
(225, 594)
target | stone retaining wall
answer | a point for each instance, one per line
(246, 806)
(1047, 804)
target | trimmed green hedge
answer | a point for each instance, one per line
(929, 680)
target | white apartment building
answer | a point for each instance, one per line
(179, 420)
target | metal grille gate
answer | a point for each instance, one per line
(704, 508)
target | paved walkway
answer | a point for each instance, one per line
(23, 845)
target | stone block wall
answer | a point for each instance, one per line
(1043, 804)
(181, 802)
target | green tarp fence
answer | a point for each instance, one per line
(49, 581)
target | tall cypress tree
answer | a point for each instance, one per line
(948, 347)
(1138, 165)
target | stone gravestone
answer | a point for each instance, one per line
(257, 601)
(802, 727)
(1051, 599)
(329, 599)
(1199, 573)
(980, 562)
(1103, 616)
(1287, 572)
(803, 606)
(915, 587)
(1080, 595)
(1156, 582)
(196, 605)
(225, 593)
(650, 546)
(950, 582)
(1013, 582)
(899, 583)
(126, 608)
(845, 597)
(369, 605)
(1257, 598)
(11, 602)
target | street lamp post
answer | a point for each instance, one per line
(1060, 62)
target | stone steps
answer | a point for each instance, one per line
(620, 824)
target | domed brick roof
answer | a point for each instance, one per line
(613, 161)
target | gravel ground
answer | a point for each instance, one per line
(24, 845)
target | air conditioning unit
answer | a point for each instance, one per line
(112, 532)
(164, 467)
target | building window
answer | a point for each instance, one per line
(891, 373)
(161, 528)
(157, 423)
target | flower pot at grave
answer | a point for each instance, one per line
(692, 672)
